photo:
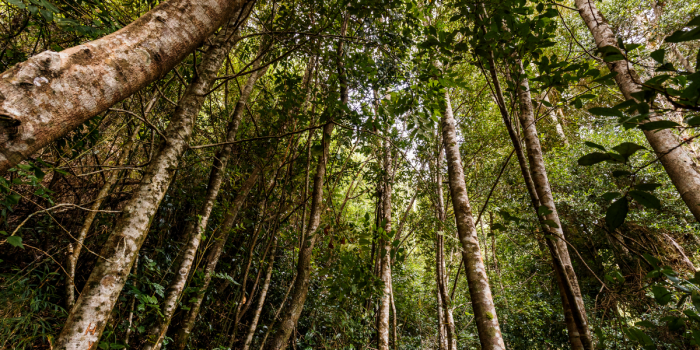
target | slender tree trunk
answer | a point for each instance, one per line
(195, 229)
(53, 93)
(212, 259)
(563, 283)
(130, 319)
(543, 189)
(678, 164)
(274, 319)
(112, 179)
(487, 324)
(88, 318)
(442, 339)
(301, 284)
(384, 252)
(261, 298)
(440, 260)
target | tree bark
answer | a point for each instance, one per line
(212, 259)
(543, 189)
(385, 252)
(451, 339)
(301, 285)
(195, 229)
(678, 164)
(261, 298)
(112, 179)
(482, 301)
(88, 318)
(52, 93)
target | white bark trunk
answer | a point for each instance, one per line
(212, 259)
(680, 168)
(52, 93)
(88, 318)
(482, 301)
(91, 215)
(195, 229)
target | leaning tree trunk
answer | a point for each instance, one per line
(678, 164)
(88, 318)
(195, 229)
(565, 287)
(296, 302)
(261, 298)
(543, 189)
(440, 260)
(487, 324)
(212, 259)
(53, 93)
(91, 215)
(384, 253)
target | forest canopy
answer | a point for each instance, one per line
(349, 174)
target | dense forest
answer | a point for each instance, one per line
(349, 174)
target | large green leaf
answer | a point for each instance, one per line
(626, 149)
(659, 125)
(646, 199)
(593, 158)
(616, 214)
(15, 241)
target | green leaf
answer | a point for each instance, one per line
(608, 112)
(605, 78)
(594, 145)
(613, 58)
(17, 3)
(593, 158)
(543, 210)
(608, 196)
(626, 149)
(645, 324)
(620, 173)
(661, 294)
(658, 125)
(550, 223)
(680, 36)
(658, 55)
(48, 16)
(616, 213)
(647, 187)
(693, 120)
(646, 199)
(692, 315)
(15, 241)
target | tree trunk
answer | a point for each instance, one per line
(53, 93)
(384, 253)
(442, 339)
(212, 259)
(451, 339)
(543, 189)
(88, 318)
(678, 164)
(482, 301)
(563, 283)
(195, 229)
(261, 298)
(91, 215)
(301, 284)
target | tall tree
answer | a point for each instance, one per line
(477, 279)
(88, 318)
(679, 166)
(196, 228)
